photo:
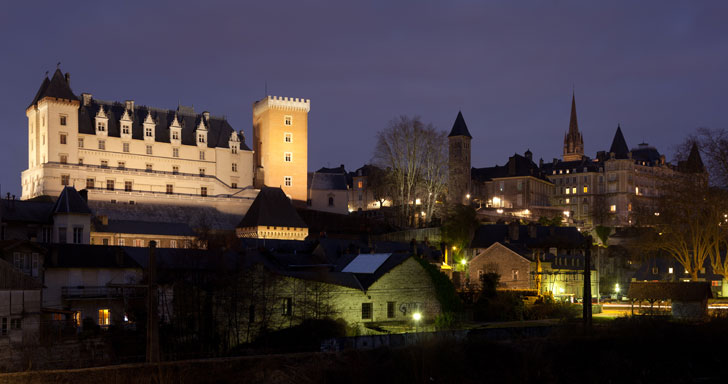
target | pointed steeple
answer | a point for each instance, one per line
(573, 142)
(57, 87)
(619, 145)
(694, 163)
(459, 128)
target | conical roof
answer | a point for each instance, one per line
(459, 128)
(694, 163)
(70, 201)
(573, 125)
(272, 208)
(56, 87)
(619, 145)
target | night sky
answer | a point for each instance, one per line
(658, 68)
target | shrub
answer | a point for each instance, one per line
(505, 306)
(306, 336)
(445, 320)
(552, 310)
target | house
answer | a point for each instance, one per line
(272, 216)
(328, 190)
(689, 300)
(506, 260)
(138, 233)
(668, 269)
(20, 310)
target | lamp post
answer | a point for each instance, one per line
(416, 317)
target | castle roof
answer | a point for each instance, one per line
(57, 87)
(328, 179)
(619, 145)
(517, 165)
(272, 208)
(144, 227)
(459, 128)
(646, 153)
(219, 130)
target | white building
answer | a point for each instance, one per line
(125, 153)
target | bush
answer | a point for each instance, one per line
(445, 320)
(505, 306)
(444, 290)
(552, 310)
(306, 336)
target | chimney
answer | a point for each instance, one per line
(87, 97)
(129, 105)
(84, 194)
(513, 229)
(68, 78)
(207, 115)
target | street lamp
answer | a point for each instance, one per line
(416, 317)
(467, 196)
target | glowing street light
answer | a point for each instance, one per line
(467, 196)
(416, 316)
(463, 261)
(616, 288)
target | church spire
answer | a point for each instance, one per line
(573, 142)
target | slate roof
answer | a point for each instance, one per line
(619, 145)
(328, 180)
(517, 165)
(646, 153)
(546, 236)
(27, 211)
(144, 227)
(459, 128)
(56, 87)
(89, 256)
(578, 165)
(70, 201)
(219, 130)
(272, 208)
(682, 291)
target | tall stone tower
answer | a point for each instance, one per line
(280, 142)
(459, 162)
(573, 142)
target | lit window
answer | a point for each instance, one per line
(121, 242)
(138, 243)
(288, 181)
(287, 157)
(288, 137)
(573, 190)
(125, 147)
(568, 201)
(567, 190)
(173, 243)
(149, 149)
(104, 317)
(63, 122)
(288, 120)
(65, 179)
(175, 152)
(63, 138)
(203, 191)
(669, 270)
(360, 184)
(80, 143)
(102, 144)
(612, 208)
(586, 189)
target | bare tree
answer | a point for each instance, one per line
(403, 147)
(434, 172)
(380, 182)
(713, 146)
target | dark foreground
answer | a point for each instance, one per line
(624, 351)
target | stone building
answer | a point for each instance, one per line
(328, 190)
(459, 179)
(272, 216)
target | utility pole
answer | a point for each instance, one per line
(152, 307)
(587, 302)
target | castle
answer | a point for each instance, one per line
(126, 153)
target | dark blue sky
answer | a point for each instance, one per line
(658, 68)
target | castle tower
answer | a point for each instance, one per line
(280, 143)
(459, 161)
(573, 142)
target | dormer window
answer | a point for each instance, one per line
(148, 132)
(100, 126)
(125, 124)
(234, 150)
(149, 125)
(101, 122)
(125, 129)
(201, 138)
(175, 135)
(201, 133)
(175, 131)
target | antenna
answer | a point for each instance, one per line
(58, 65)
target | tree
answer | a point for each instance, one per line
(713, 146)
(459, 227)
(380, 182)
(406, 148)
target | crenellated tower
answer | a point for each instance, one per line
(459, 161)
(280, 143)
(573, 142)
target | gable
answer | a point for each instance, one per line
(498, 249)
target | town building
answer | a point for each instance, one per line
(328, 190)
(459, 178)
(20, 310)
(138, 233)
(272, 216)
(364, 194)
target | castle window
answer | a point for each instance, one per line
(612, 208)
(331, 201)
(288, 120)
(203, 191)
(65, 179)
(104, 317)
(125, 147)
(89, 183)
(175, 152)
(138, 243)
(78, 235)
(148, 131)
(80, 143)
(201, 138)
(585, 209)
(202, 171)
(175, 169)
(287, 181)
(127, 186)
(287, 157)
(149, 167)
(173, 243)
(101, 127)
(64, 159)
(120, 242)
(121, 165)
(63, 120)
(125, 129)
(104, 163)
(360, 184)
(63, 138)
(149, 149)
(175, 135)
(62, 235)
(390, 309)
(288, 137)
(586, 189)
(110, 185)
(573, 190)
(234, 149)
(202, 155)
(235, 167)
(102, 144)
(234, 185)
(170, 189)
